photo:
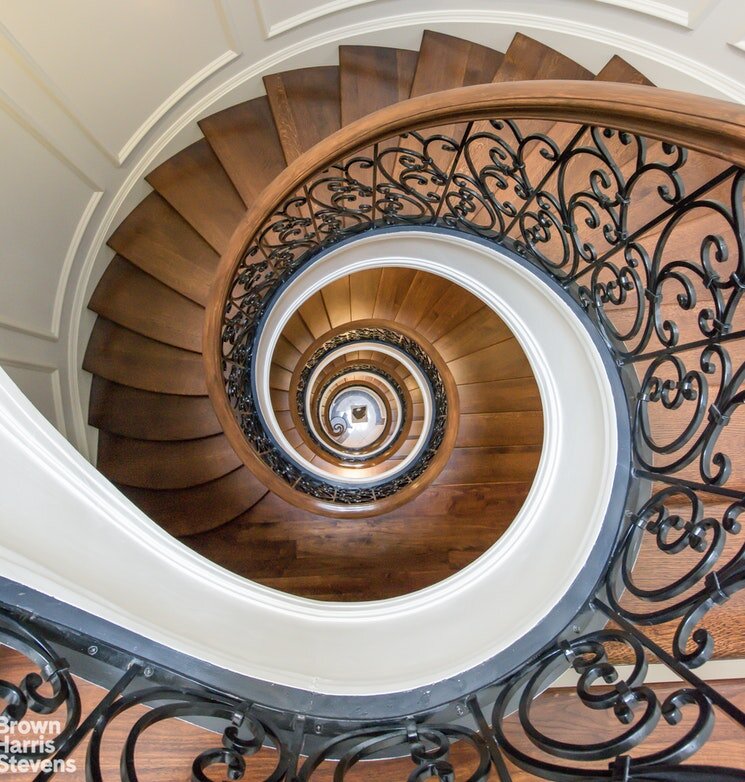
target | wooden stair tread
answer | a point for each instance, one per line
(372, 77)
(425, 289)
(363, 288)
(452, 308)
(490, 464)
(527, 59)
(119, 354)
(162, 464)
(141, 303)
(480, 330)
(314, 316)
(294, 550)
(305, 104)
(245, 140)
(500, 428)
(511, 395)
(394, 285)
(446, 62)
(297, 333)
(195, 184)
(502, 361)
(146, 415)
(337, 301)
(159, 241)
(617, 69)
(199, 508)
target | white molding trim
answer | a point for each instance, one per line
(54, 380)
(29, 126)
(667, 11)
(178, 94)
(72, 252)
(318, 11)
(713, 78)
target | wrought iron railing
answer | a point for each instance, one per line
(649, 237)
(647, 234)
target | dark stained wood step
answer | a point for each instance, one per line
(424, 541)
(372, 77)
(446, 62)
(195, 184)
(617, 69)
(152, 464)
(305, 104)
(199, 508)
(118, 354)
(159, 241)
(527, 59)
(141, 303)
(246, 142)
(145, 415)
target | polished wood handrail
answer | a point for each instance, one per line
(706, 125)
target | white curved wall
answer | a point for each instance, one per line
(94, 94)
(61, 521)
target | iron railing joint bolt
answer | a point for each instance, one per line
(148, 671)
(621, 768)
(92, 650)
(714, 587)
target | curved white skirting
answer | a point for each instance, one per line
(67, 532)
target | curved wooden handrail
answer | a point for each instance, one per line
(706, 125)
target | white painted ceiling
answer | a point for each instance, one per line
(95, 93)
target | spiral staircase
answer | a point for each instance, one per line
(481, 351)
(159, 439)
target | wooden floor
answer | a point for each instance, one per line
(432, 537)
(167, 750)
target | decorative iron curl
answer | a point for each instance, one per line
(244, 733)
(675, 517)
(26, 699)
(634, 705)
(428, 747)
